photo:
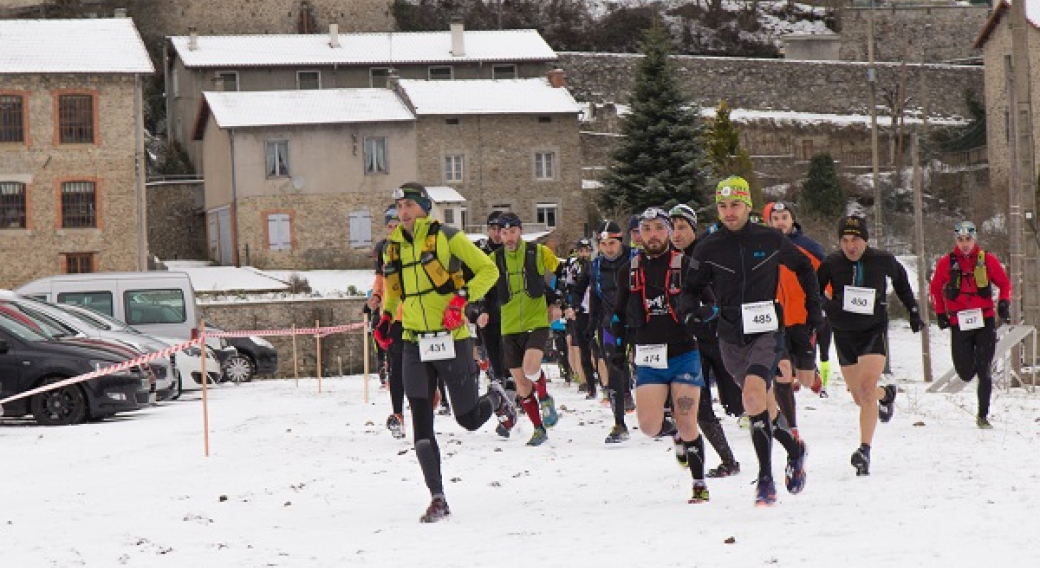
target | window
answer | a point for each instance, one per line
(544, 119)
(545, 214)
(279, 231)
(277, 158)
(501, 207)
(375, 155)
(12, 118)
(308, 80)
(154, 306)
(451, 121)
(453, 168)
(442, 73)
(360, 228)
(449, 216)
(378, 76)
(544, 165)
(12, 205)
(79, 263)
(229, 80)
(78, 205)
(503, 71)
(100, 302)
(76, 119)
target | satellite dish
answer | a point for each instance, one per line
(298, 182)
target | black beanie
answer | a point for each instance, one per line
(853, 225)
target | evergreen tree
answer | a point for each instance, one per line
(821, 191)
(660, 160)
(727, 157)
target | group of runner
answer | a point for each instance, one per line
(742, 306)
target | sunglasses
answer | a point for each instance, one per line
(965, 229)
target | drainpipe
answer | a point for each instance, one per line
(139, 175)
(234, 205)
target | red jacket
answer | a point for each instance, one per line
(969, 297)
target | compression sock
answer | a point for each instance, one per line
(785, 400)
(695, 457)
(787, 439)
(539, 385)
(716, 436)
(762, 440)
(532, 410)
(825, 373)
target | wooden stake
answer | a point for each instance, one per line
(205, 384)
(365, 339)
(339, 360)
(295, 359)
(317, 345)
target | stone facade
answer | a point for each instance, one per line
(776, 84)
(176, 220)
(43, 165)
(346, 348)
(917, 33)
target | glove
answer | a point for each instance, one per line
(619, 360)
(943, 320)
(453, 313)
(472, 312)
(814, 320)
(382, 332)
(1004, 311)
(915, 321)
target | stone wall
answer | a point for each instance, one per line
(912, 33)
(777, 84)
(341, 347)
(176, 220)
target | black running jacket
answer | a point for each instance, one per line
(872, 270)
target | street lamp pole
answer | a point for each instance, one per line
(872, 80)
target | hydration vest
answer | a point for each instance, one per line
(672, 286)
(534, 281)
(953, 287)
(445, 280)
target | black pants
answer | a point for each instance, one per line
(729, 392)
(492, 338)
(394, 366)
(823, 341)
(973, 355)
(581, 323)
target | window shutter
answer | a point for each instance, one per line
(279, 232)
(360, 228)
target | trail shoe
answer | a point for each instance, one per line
(630, 403)
(591, 395)
(887, 406)
(505, 409)
(823, 393)
(861, 461)
(539, 437)
(618, 434)
(395, 423)
(437, 511)
(445, 409)
(794, 475)
(817, 385)
(744, 422)
(583, 387)
(668, 428)
(700, 493)
(982, 423)
(548, 407)
(680, 450)
(724, 470)
(765, 492)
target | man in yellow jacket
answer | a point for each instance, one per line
(422, 263)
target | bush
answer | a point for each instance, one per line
(298, 284)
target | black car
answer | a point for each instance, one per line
(29, 360)
(256, 356)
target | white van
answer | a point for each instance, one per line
(159, 303)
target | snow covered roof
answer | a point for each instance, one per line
(328, 106)
(109, 45)
(487, 96)
(444, 194)
(361, 49)
(1032, 14)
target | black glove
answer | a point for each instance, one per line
(472, 311)
(916, 323)
(814, 321)
(1004, 310)
(943, 320)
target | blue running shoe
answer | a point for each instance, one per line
(765, 493)
(794, 475)
(539, 437)
(548, 408)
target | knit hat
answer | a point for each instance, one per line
(772, 206)
(853, 225)
(583, 243)
(686, 212)
(509, 219)
(416, 192)
(390, 215)
(653, 213)
(633, 223)
(492, 220)
(734, 187)
(609, 230)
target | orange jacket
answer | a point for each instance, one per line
(790, 294)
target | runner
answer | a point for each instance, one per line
(652, 312)
(858, 312)
(422, 270)
(740, 261)
(392, 349)
(522, 290)
(684, 239)
(576, 310)
(962, 295)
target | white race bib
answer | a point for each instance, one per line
(653, 356)
(759, 317)
(436, 347)
(859, 300)
(970, 319)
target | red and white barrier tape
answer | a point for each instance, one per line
(322, 331)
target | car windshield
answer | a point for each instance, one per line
(37, 321)
(94, 319)
(20, 329)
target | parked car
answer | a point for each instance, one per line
(256, 356)
(29, 359)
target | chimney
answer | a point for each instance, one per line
(458, 41)
(119, 13)
(557, 78)
(333, 35)
(193, 39)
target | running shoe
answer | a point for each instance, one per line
(583, 387)
(861, 461)
(744, 422)
(505, 408)
(630, 403)
(549, 415)
(437, 511)
(680, 450)
(794, 475)
(887, 406)
(765, 492)
(724, 470)
(700, 493)
(982, 423)
(823, 393)
(445, 409)
(817, 385)
(618, 434)
(539, 437)
(395, 423)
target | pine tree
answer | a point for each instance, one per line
(821, 191)
(726, 156)
(660, 160)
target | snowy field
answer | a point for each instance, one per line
(302, 479)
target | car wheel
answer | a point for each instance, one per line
(179, 389)
(239, 369)
(59, 407)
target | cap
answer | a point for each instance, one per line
(853, 225)
(609, 230)
(492, 220)
(416, 192)
(509, 219)
(390, 215)
(770, 207)
(686, 212)
(734, 187)
(965, 229)
(583, 243)
(653, 213)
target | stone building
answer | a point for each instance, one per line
(194, 64)
(71, 148)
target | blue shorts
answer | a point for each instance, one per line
(683, 369)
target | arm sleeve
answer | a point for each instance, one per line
(998, 276)
(485, 273)
(793, 258)
(938, 282)
(901, 282)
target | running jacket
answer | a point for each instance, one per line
(871, 271)
(789, 293)
(604, 287)
(743, 267)
(521, 312)
(969, 297)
